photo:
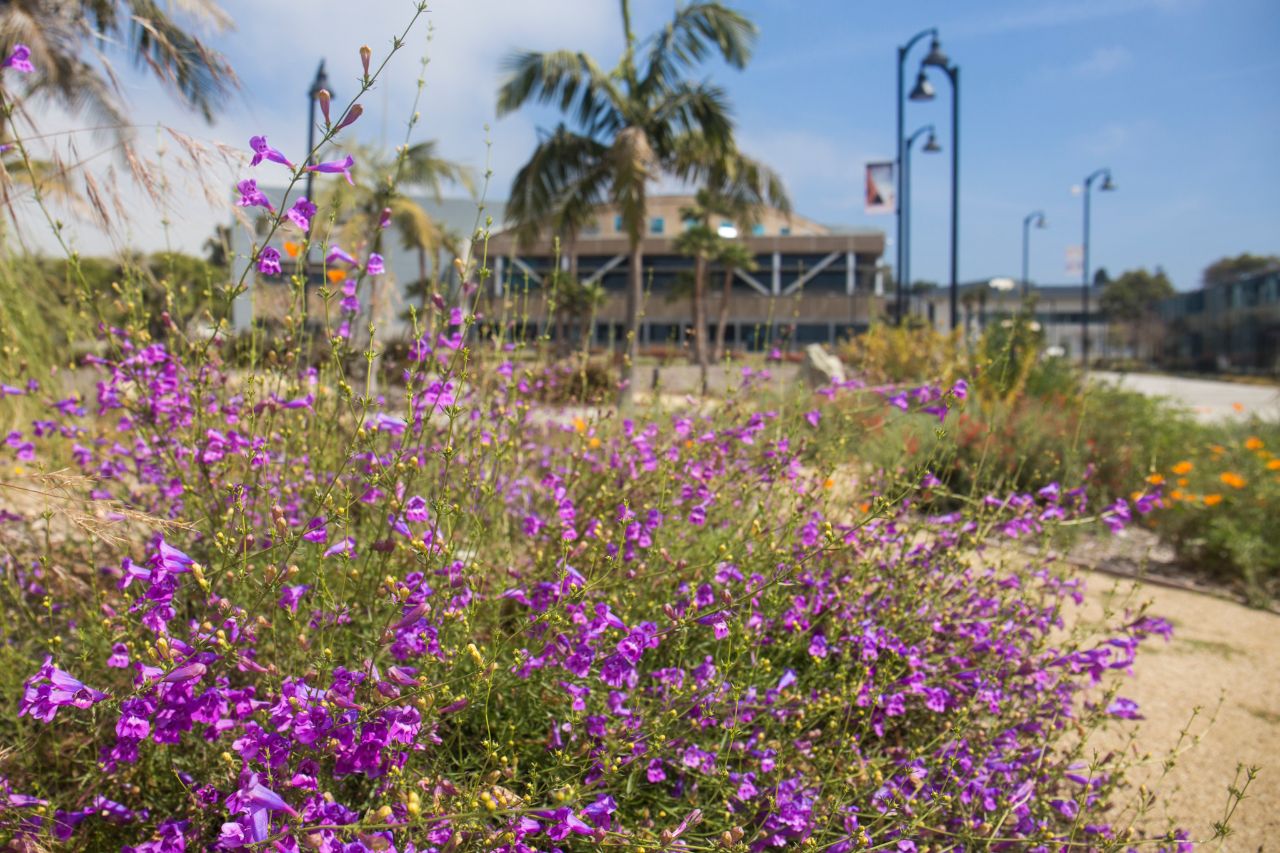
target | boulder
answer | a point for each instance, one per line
(821, 367)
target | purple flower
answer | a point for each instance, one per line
(384, 221)
(1125, 709)
(375, 265)
(291, 595)
(344, 546)
(813, 418)
(19, 60)
(301, 212)
(335, 167)
(119, 656)
(52, 688)
(336, 254)
(183, 674)
(263, 151)
(269, 261)
(251, 196)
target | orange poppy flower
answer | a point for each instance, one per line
(1183, 481)
(291, 248)
(1212, 500)
(336, 276)
(1239, 407)
(828, 483)
(1253, 443)
(1232, 479)
(1155, 479)
(1177, 494)
(1183, 467)
(579, 425)
(1273, 465)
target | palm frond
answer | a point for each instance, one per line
(571, 81)
(562, 161)
(695, 32)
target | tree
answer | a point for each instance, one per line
(628, 123)
(1131, 299)
(377, 188)
(733, 256)
(1226, 270)
(737, 188)
(66, 38)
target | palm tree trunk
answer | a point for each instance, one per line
(725, 296)
(700, 313)
(635, 295)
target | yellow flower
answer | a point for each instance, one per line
(1253, 443)
(594, 442)
(1183, 467)
(1232, 479)
(579, 425)
(1212, 500)
(1155, 479)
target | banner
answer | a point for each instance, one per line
(880, 187)
(1075, 260)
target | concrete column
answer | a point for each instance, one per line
(777, 274)
(879, 282)
(849, 265)
(498, 265)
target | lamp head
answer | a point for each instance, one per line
(1107, 184)
(931, 144)
(321, 81)
(1041, 222)
(936, 57)
(923, 90)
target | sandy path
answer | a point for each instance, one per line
(1218, 648)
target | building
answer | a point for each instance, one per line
(810, 283)
(1233, 326)
(1058, 310)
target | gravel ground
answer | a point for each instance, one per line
(1219, 648)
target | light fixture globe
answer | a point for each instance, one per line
(923, 90)
(931, 145)
(1107, 184)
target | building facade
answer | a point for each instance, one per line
(1233, 326)
(808, 283)
(1058, 309)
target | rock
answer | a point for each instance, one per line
(821, 367)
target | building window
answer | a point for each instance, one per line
(757, 230)
(656, 225)
(617, 223)
(785, 231)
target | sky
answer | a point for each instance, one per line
(1176, 97)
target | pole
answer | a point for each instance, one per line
(953, 73)
(1026, 236)
(903, 50)
(1084, 288)
(897, 156)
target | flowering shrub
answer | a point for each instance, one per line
(273, 612)
(1220, 501)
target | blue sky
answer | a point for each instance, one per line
(1175, 96)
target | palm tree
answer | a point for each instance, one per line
(627, 125)
(66, 37)
(733, 256)
(737, 188)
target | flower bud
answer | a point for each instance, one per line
(365, 55)
(352, 114)
(324, 97)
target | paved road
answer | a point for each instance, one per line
(1207, 399)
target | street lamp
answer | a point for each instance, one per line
(321, 82)
(923, 91)
(938, 60)
(931, 146)
(1034, 218)
(1107, 186)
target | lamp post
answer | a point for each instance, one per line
(931, 146)
(920, 93)
(321, 82)
(1034, 218)
(1107, 186)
